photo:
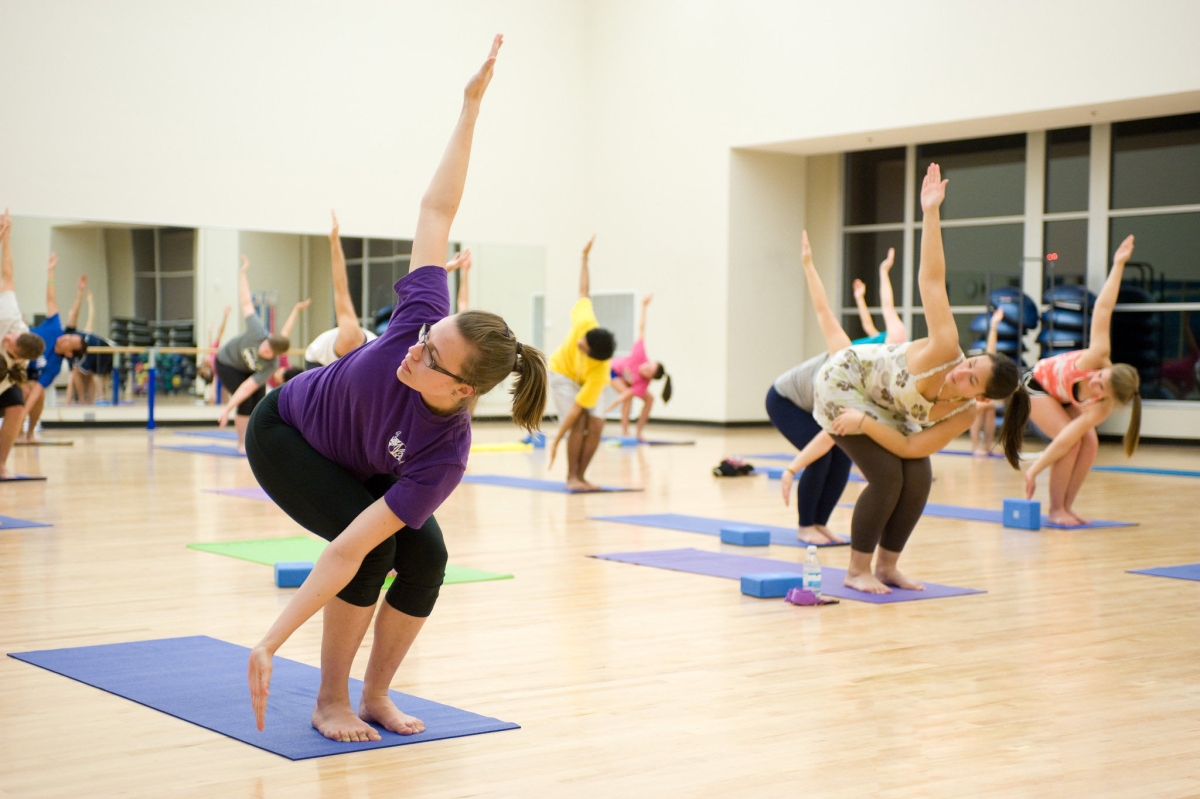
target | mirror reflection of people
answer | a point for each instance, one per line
(631, 378)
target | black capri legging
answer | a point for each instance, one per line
(887, 510)
(231, 377)
(324, 498)
(823, 481)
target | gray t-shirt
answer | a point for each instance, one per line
(796, 384)
(242, 352)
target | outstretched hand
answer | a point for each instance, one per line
(860, 289)
(81, 284)
(553, 450)
(223, 419)
(245, 264)
(5, 224)
(886, 264)
(53, 262)
(1030, 483)
(785, 484)
(259, 677)
(300, 306)
(646, 299)
(478, 83)
(997, 316)
(460, 260)
(335, 230)
(933, 190)
(1124, 252)
(587, 248)
(805, 249)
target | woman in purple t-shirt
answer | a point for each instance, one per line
(631, 378)
(363, 451)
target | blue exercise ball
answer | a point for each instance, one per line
(1069, 298)
(1062, 319)
(980, 324)
(1019, 309)
(1060, 339)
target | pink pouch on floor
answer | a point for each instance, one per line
(803, 596)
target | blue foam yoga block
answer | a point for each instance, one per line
(772, 472)
(291, 575)
(767, 585)
(746, 536)
(1023, 514)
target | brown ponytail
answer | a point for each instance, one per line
(1012, 432)
(497, 354)
(1126, 388)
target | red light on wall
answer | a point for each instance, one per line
(1052, 256)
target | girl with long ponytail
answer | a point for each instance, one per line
(1073, 394)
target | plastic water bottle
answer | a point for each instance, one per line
(812, 571)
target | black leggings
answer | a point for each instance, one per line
(823, 481)
(889, 507)
(324, 498)
(231, 377)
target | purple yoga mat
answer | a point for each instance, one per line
(720, 564)
(244, 493)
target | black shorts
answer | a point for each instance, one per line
(12, 396)
(231, 377)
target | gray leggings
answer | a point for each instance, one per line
(889, 507)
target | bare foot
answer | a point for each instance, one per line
(1064, 518)
(894, 577)
(833, 537)
(866, 583)
(581, 485)
(812, 535)
(338, 722)
(30, 438)
(1079, 519)
(979, 453)
(382, 711)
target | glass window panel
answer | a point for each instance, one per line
(143, 250)
(1068, 164)
(1156, 162)
(875, 187)
(987, 176)
(1067, 239)
(864, 252)
(354, 278)
(853, 327)
(978, 261)
(380, 248)
(404, 247)
(1163, 346)
(177, 298)
(176, 251)
(144, 297)
(352, 248)
(1166, 258)
(379, 287)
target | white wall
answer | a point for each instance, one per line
(613, 116)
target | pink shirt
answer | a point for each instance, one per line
(627, 369)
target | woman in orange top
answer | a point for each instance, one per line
(1072, 394)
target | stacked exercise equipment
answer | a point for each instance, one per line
(1066, 324)
(1020, 316)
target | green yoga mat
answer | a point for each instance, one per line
(269, 551)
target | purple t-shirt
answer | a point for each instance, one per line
(358, 415)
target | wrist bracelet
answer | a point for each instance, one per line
(861, 422)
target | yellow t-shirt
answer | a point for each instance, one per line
(592, 375)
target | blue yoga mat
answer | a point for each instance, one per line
(968, 454)
(10, 523)
(18, 477)
(228, 435)
(1147, 470)
(997, 517)
(554, 486)
(205, 449)
(1190, 571)
(203, 681)
(721, 564)
(632, 441)
(699, 524)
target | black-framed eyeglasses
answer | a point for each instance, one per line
(427, 355)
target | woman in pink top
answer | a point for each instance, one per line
(631, 378)
(1072, 394)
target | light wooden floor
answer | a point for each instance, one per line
(1068, 678)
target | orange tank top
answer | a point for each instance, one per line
(1058, 376)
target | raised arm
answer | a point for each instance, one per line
(642, 317)
(993, 332)
(244, 298)
(6, 264)
(51, 297)
(585, 283)
(864, 313)
(73, 314)
(91, 317)
(224, 320)
(942, 344)
(462, 262)
(1099, 345)
(897, 332)
(286, 330)
(440, 203)
(918, 445)
(835, 336)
